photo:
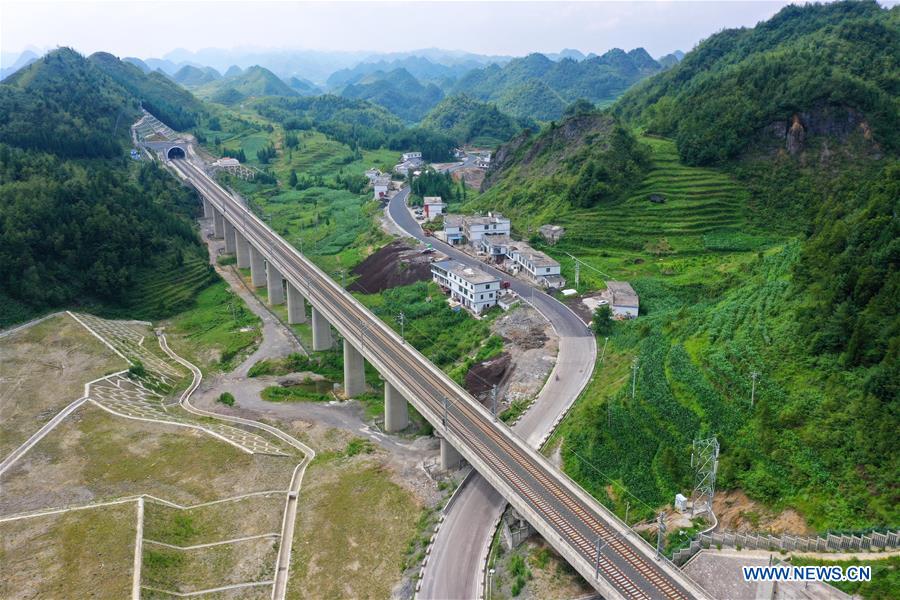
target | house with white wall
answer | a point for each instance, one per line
(433, 206)
(493, 224)
(381, 185)
(453, 229)
(623, 300)
(540, 267)
(473, 288)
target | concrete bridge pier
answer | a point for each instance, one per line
(242, 248)
(295, 305)
(257, 268)
(274, 284)
(218, 224)
(396, 411)
(450, 458)
(321, 332)
(207, 209)
(354, 371)
(230, 235)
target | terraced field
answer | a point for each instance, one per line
(169, 289)
(703, 209)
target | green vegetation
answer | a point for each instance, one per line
(398, 91)
(137, 370)
(601, 323)
(254, 82)
(835, 65)
(305, 391)
(329, 364)
(226, 398)
(885, 583)
(537, 87)
(217, 331)
(470, 121)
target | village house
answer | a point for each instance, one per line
(495, 246)
(453, 229)
(472, 288)
(542, 269)
(433, 206)
(409, 162)
(477, 227)
(371, 174)
(381, 185)
(411, 156)
(623, 300)
(551, 233)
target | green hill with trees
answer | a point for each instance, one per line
(760, 233)
(536, 87)
(253, 82)
(80, 222)
(398, 91)
(470, 121)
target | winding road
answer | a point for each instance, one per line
(461, 545)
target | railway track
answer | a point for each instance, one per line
(629, 570)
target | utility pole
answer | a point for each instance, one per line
(445, 414)
(577, 272)
(660, 533)
(597, 561)
(627, 508)
(634, 368)
(494, 401)
(401, 318)
(753, 376)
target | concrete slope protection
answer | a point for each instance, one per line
(573, 522)
(470, 522)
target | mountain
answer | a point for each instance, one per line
(762, 239)
(304, 87)
(138, 63)
(254, 82)
(538, 87)
(419, 67)
(82, 225)
(169, 102)
(23, 60)
(671, 59)
(166, 66)
(190, 76)
(233, 71)
(809, 73)
(470, 121)
(398, 91)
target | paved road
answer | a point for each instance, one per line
(470, 520)
(570, 519)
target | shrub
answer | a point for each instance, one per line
(226, 398)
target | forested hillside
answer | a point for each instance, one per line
(80, 222)
(537, 87)
(811, 72)
(781, 261)
(398, 91)
(470, 121)
(253, 82)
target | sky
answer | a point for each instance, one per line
(151, 29)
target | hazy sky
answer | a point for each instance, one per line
(151, 29)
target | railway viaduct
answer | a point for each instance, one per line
(607, 553)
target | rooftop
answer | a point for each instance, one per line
(470, 274)
(432, 200)
(382, 181)
(537, 258)
(622, 293)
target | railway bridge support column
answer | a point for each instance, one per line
(295, 305)
(257, 268)
(242, 248)
(218, 224)
(450, 458)
(207, 209)
(274, 284)
(396, 411)
(230, 235)
(354, 371)
(321, 332)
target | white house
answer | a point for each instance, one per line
(538, 265)
(453, 229)
(478, 227)
(495, 246)
(472, 288)
(623, 300)
(371, 174)
(381, 185)
(411, 156)
(433, 206)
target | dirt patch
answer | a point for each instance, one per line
(532, 345)
(393, 265)
(473, 176)
(580, 308)
(81, 554)
(481, 378)
(42, 369)
(737, 512)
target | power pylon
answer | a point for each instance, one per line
(705, 462)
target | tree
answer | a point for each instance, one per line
(602, 322)
(293, 179)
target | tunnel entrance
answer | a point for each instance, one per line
(175, 152)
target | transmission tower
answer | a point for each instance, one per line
(705, 462)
